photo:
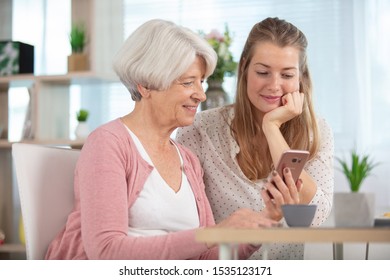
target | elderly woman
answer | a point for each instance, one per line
(139, 194)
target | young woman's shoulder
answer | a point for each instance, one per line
(323, 125)
(325, 132)
(213, 117)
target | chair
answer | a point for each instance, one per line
(45, 180)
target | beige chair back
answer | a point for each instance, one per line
(45, 181)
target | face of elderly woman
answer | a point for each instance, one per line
(177, 105)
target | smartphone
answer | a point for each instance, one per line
(293, 159)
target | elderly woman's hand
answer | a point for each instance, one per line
(247, 218)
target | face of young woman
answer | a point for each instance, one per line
(178, 105)
(272, 73)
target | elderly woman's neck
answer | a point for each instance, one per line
(147, 129)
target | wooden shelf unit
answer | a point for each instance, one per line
(50, 115)
(51, 101)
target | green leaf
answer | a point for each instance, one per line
(359, 169)
(82, 115)
(77, 38)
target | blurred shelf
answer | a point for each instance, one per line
(10, 251)
(75, 144)
(12, 248)
(86, 77)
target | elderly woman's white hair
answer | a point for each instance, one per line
(157, 53)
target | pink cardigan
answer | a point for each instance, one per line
(109, 176)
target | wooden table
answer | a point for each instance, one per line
(227, 239)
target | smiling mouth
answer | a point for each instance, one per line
(192, 108)
(271, 98)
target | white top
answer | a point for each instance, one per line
(158, 209)
(227, 187)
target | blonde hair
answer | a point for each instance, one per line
(301, 132)
(157, 53)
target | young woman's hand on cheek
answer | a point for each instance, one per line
(291, 106)
(293, 103)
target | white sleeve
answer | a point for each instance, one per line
(321, 169)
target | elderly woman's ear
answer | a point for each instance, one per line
(144, 91)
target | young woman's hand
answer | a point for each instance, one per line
(292, 106)
(277, 192)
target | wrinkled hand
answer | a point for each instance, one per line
(292, 106)
(248, 219)
(277, 192)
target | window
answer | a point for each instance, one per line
(348, 56)
(324, 24)
(45, 25)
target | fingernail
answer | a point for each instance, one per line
(286, 170)
(274, 173)
(265, 181)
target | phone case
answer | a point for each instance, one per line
(293, 159)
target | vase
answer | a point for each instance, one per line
(353, 209)
(82, 130)
(77, 62)
(216, 95)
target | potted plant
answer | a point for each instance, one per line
(226, 67)
(82, 129)
(360, 168)
(354, 208)
(78, 60)
(82, 115)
